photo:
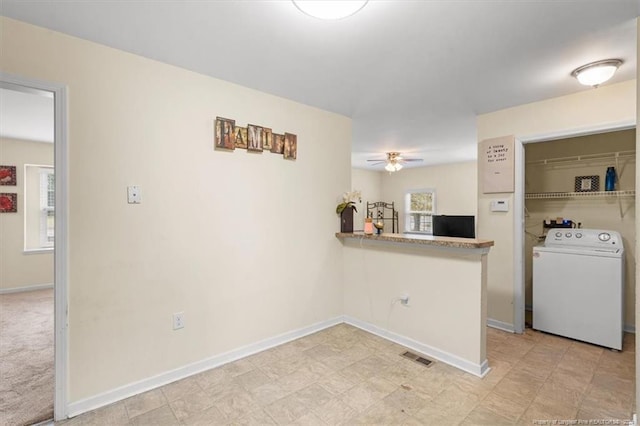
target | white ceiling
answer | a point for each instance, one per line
(26, 115)
(412, 74)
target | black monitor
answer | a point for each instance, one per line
(454, 226)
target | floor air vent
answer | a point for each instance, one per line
(417, 358)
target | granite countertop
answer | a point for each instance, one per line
(425, 240)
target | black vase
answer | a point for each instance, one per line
(346, 220)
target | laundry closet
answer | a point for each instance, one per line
(565, 186)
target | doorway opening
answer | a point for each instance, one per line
(33, 282)
(550, 169)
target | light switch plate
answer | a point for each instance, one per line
(133, 195)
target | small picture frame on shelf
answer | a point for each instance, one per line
(587, 183)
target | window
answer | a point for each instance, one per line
(47, 207)
(39, 207)
(420, 205)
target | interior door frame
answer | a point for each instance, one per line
(61, 254)
(518, 240)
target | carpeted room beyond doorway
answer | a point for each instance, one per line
(26, 357)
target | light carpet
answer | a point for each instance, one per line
(26, 357)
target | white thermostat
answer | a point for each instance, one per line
(499, 205)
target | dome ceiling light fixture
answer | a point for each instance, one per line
(596, 73)
(329, 9)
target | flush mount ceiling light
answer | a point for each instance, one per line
(596, 73)
(330, 9)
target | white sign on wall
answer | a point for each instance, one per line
(496, 157)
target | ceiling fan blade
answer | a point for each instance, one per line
(380, 159)
(412, 159)
(376, 162)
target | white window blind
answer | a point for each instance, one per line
(47, 207)
(420, 206)
(39, 207)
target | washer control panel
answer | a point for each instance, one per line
(583, 238)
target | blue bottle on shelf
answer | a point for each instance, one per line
(610, 179)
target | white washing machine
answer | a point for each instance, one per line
(578, 285)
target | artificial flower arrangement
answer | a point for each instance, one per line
(349, 200)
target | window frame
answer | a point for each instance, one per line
(408, 212)
(43, 206)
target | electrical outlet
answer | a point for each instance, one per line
(178, 320)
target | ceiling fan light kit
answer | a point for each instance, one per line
(330, 9)
(596, 73)
(394, 161)
(393, 167)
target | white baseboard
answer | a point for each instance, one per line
(629, 328)
(26, 288)
(479, 370)
(500, 325)
(131, 389)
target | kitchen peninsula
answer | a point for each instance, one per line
(445, 280)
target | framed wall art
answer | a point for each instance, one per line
(225, 134)
(587, 183)
(277, 146)
(255, 138)
(8, 175)
(267, 138)
(8, 203)
(496, 164)
(241, 137)
(290, 151)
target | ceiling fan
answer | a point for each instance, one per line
(394, 161)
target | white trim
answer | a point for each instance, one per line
(581, 131)
(518, 239)
(61, 250)
(162, 379)
(38, 251)
(629, 328)
(25, 288)
(500, 325)
(479, 370)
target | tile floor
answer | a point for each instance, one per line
(344, 375)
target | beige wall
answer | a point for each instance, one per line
(596, 213)
(446, 313)
(17, 268)
(455, 186)
(242, 243)
(370, 184)
(607, 106)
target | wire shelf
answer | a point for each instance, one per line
(591, 194)
(605, 156)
